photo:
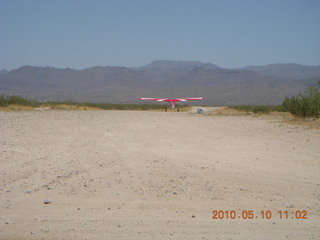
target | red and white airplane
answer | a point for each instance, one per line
(172, 100)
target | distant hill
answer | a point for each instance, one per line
(165, 66)
(288, 71)
(219, 86)
(3, 71)
(308, 82)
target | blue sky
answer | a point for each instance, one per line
(230, 33)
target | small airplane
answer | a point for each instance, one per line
(172, 100)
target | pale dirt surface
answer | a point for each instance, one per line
(155, 175)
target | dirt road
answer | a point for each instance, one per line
(154, 175)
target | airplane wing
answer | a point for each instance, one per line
(174, 99)
(156, 99)
(188, 99)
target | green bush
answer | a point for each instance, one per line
(307, 105)
(3, 101)
(16, 100)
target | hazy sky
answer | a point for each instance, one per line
(229, 33)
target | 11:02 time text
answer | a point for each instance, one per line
(264, 214)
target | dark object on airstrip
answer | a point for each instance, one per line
(200, 111)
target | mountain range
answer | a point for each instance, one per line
(250, 85)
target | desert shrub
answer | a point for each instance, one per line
(16, 100)
(307, 105)
(3, 101)
(259, 108)
(110, 106)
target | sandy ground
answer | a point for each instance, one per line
(156, 175)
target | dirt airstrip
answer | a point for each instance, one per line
(154, 175)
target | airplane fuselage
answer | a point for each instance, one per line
(172, 100)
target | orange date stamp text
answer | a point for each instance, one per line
(264, 214)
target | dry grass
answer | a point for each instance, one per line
(313, 123)
(16, 108)
(226, 111)
(48, 107)
(72, 107)
(283, 117)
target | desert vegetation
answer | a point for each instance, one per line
(259, 108)
(8, 101)
(304, 105)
